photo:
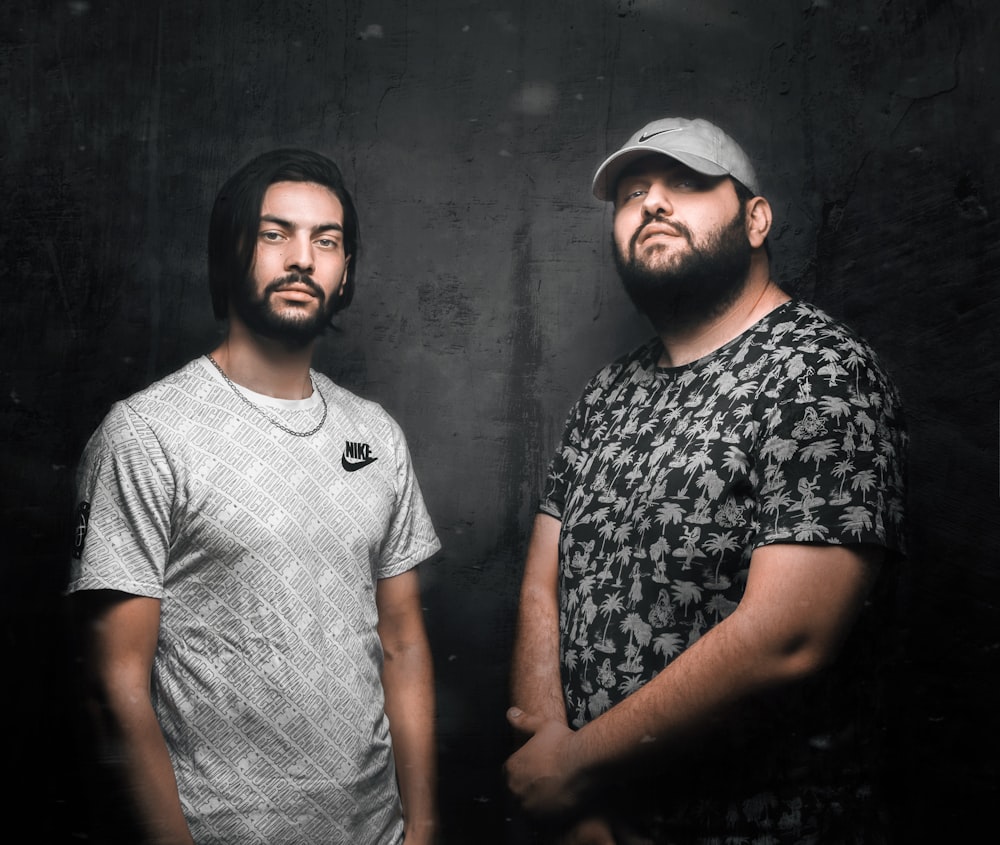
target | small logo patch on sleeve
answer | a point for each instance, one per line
(82, 521)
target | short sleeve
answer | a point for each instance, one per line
(832, 456)
(124, 498)
(564, 463)
(411, 537)
(586, 419)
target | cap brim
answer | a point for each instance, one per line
(608, 173)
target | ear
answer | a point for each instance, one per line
(758, 219)
(343, 278)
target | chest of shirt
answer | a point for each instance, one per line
(672, 443)
(296, 503)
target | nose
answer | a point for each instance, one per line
(300, 253)
(656, 202)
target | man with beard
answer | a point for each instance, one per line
(246, 558)
(697, 642)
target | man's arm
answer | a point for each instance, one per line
(408, 681)
(799, 604)
(535, 678)
(535, 675)
(122, 631)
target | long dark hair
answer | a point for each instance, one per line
(232, 230)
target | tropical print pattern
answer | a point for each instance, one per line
(666, 480)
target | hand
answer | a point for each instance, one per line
(592, 831)
(543, 774)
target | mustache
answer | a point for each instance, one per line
(678, 228)
(295, 279)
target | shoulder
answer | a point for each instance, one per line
(346, 399)
(162, 405)
(637, 365)
(365, 412)
(806, 336)
(813, 328)
(643, 357)
(192, 380)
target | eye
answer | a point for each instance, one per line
(692, 181)
(629, 194)
(271, 235)
(327, 243)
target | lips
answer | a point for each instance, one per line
(651, 230)
(297, 286)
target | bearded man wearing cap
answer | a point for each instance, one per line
(699, 635)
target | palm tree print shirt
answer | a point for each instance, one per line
(666, 480)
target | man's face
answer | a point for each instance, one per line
(680, 242)
(299, 266)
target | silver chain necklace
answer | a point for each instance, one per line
(265, 414)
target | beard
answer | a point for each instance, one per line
(696, 285)
(294, 328)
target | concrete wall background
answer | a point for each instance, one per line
(469, 132)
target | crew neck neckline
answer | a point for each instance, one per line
(657, 345)
(305, 404)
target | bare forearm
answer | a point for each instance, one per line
(689, 697)
(148, 773)
(408, 680)
(797, 607)
(559, 772)
(121, 632)
(535, 674)
(535, 677)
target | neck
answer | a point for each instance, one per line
(264, 366)
(759, 297)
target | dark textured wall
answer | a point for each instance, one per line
(469, 132)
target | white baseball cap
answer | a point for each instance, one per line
(700, 145)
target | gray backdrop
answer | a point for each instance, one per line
(469, 132)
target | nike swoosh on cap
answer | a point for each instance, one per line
(643, 138)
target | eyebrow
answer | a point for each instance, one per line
(636, 170)
(288, 224)
(633, 174)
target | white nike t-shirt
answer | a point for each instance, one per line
(264, 549)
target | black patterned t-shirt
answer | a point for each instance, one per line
(667, 479)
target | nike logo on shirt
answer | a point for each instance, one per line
(356, 456)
